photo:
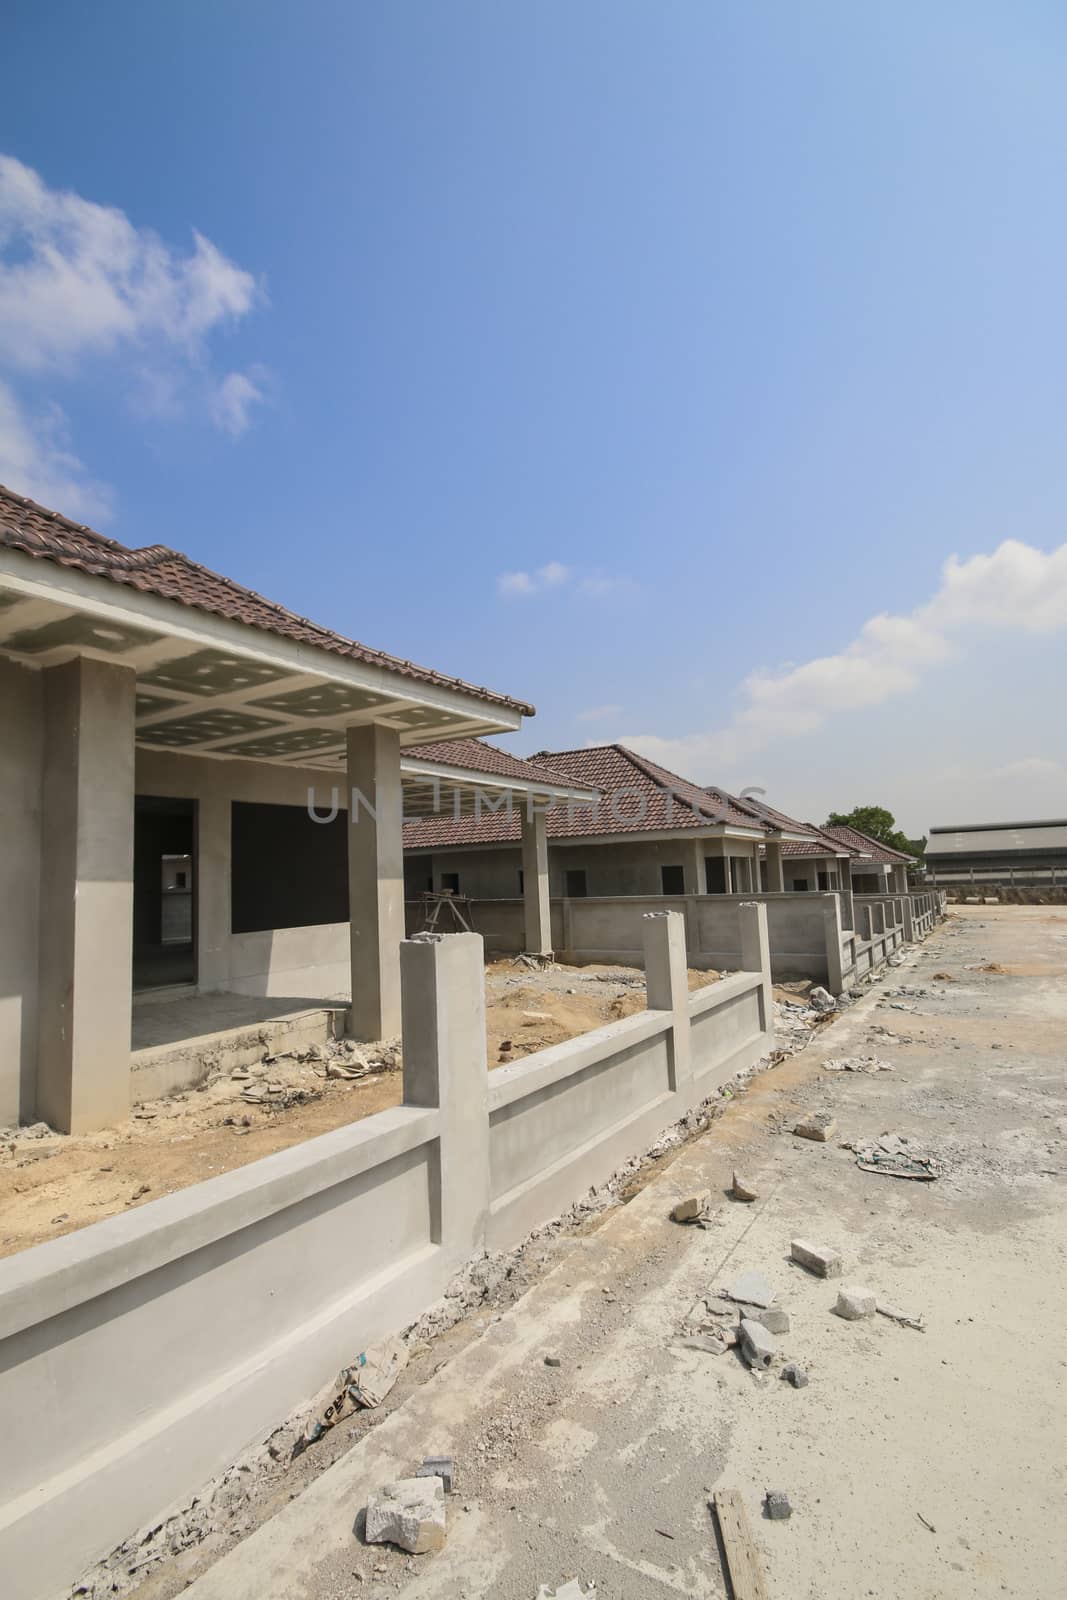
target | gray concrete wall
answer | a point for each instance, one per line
(21, 741)
(140, 1355)
(623, 867)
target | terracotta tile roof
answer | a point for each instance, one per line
(638, 797)
(157, 570)
(864, 846)
(474, 755)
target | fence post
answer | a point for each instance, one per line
(442, 979)
(831, 921)
(667, 987)
(756, 955)
(909, 918)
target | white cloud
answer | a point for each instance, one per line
(1030, 767)
(597, 713)
(233, 400)
(1015, 587)
(35, 462)
(512, 583)
(554, 575)
(81, 283)
(78, 278)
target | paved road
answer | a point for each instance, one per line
(601, 1468)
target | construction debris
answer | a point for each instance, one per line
(707, 1342)
(817, 1258)
(856, 1064)
(894, 1157)
(409, 1513)
(795, 1375)
(568, 1591)
(854, 1302)
(740, 1190)
(365, 1384)
(757, 1346)
(820, 1126)
(743, 1568)
(777, 1504)
(693, 1208)
(904, 1318)
(753, 1289)
(773, 1318)
(822, 1000)
(442, 1467)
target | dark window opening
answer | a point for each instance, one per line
(672, 880)
(800, 885)
(715, 874)
(286, 870)
(575, 881)
(450, 883)
(824, 880)
(522, 881)
(164, 922)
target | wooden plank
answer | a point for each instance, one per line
(742, 1557)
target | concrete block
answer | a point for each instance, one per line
(820, 1126)
(442, 1467)
(757, 1346)
(696, 1205)
(855, 1302)
(753, 1289)
(777, 1503)
(742, 1190)
(773, 1318)
(409, 1513)
(795, 1375)
(818, 1258)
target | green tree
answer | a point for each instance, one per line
(877, 823)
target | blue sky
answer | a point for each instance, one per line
(628, 357)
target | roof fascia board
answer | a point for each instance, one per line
(21, 573)
(491, 780)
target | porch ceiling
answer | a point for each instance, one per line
(209, 686)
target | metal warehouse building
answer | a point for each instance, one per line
(1002, 854)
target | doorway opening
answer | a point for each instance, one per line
(164, 892)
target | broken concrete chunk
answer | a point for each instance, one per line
(773, 1318)
(742, 1190)
(818, 1258)
(692, 1208)
(409, 1513)
(855, 1302)
(567, 1591)
(795, 1375)
(821, 1000)
(777, 1503)
(706, 1342)
(442, 1467)
(820, 1126)
(754, 1289)
(757, 1346)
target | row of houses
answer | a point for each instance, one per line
(206, 794)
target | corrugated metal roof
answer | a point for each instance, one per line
(1011, 838)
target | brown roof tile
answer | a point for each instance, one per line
(474, 755)
(157, 570)
(862, 845)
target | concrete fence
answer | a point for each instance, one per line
(141, 1355)
(833, 939)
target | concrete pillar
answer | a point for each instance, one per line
(375, 879)
(727, 872)
(832, 935)
(213, 878)
(844, 894)
(909, 919)
(756, 955)
(775, 870)
(443, 987)
(537, 911)
(667, 986)
(694, 872)
(86, 928)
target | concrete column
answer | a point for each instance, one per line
(694, 873)
(832, 934)
(727, 873)
(537, 911)
(667, 986)
(909, 919)
(375, 879)
(443, 986)
(213, 876)
(756, 956)
(86, 928)
(775, 870)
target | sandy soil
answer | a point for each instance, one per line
(53, 1184)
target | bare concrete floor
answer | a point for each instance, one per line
(162, 1022)
(922, 1464)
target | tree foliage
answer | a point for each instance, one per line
(877, 823)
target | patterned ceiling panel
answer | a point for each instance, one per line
(422, 717)
(186, 731)
(83, 632)
(210, 672)
(149, 705)
(321, 700)
(291, 742)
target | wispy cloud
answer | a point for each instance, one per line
(1016, 587)
(79, 283)
(554, 575)
(1030, 767)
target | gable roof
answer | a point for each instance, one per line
(155, 569)
(637, 796)
(870, 849)
(474, 755)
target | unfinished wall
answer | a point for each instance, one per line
(142, 1354)
(623, 867)
(21, 726)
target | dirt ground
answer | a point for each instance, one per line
(922, 1462)
(52, 1184)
